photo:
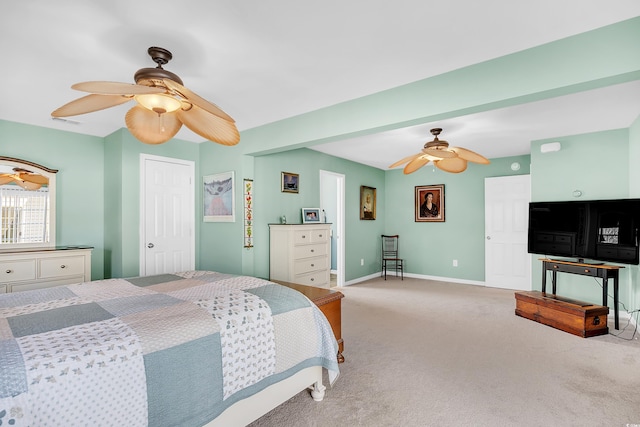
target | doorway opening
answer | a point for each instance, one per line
(332, 194)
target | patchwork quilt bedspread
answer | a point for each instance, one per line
(166, 350)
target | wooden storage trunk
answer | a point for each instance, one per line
(576, 317)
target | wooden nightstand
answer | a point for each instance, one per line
(328, 301)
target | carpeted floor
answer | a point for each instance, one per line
(426, 353)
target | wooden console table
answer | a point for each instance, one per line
(603, 271)
(328, 301)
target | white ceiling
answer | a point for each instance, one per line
(265, 61)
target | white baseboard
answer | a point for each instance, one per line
(417, 276)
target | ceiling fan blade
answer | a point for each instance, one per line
(27, 185)
(440, 154)
(470, 156)
(453, 165)
(405, 160)
(197, 100)
(34, 177)
(415, 164)
(150, 127)
(6, 178)
(115, 88)
(89, 104)
(209, 126)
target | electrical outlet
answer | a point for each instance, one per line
(361, 261)
(455, 262)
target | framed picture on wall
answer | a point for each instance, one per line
(429, 203)
(219, 197)
(290, 182)
(367, 202)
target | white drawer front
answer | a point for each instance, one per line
(61, 267)
(307, 251)
(301, 237)
(310, 264)
(304, 237)
(319, 279)
(318, 236)
(14, 271)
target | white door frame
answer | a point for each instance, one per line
(339, 191)
(143, 186)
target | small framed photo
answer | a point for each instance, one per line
(219, 197)
(310, 215)
(290, 182)
(429, 203)
(367, 202)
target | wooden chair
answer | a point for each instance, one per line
(390, 257)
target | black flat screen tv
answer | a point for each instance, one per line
(599, 230)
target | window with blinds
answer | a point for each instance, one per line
(24, 217)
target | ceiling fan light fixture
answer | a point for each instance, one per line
(448, 159)
(158, 102)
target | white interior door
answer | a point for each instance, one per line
(167, 215)
(507, 262)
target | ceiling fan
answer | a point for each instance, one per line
(448, 159)
(24, 178)
(163, 105)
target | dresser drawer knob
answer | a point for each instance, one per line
(313, 250)
(303, 236)
(9, 271)
(63, 266)
(320, 235)
(312, 279)
(313, 265)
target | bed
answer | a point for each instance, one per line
(187, 349)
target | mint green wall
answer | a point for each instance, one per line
(429, 248)
(80, 201)
(361, 237)
(98, 198)
(122, 172)
(221, 246)
(597, 165)
(599, 58)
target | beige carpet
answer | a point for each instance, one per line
(425, 353)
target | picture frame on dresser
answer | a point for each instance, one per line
(310, 215)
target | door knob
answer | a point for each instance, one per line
(488, 237)
(150, 245)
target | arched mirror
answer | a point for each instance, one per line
(27, 203)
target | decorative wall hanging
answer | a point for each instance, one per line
(429, 203)
(290, 182)
(219, 197)
(367, 202)
(248, 213)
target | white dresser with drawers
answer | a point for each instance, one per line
(300, 253)
(26, 269)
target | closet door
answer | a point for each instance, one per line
(507, 262)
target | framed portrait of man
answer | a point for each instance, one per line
(367, 202)
(429, 203)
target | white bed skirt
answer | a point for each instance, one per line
(250, 409)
